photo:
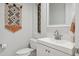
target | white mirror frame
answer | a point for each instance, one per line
(47, 12)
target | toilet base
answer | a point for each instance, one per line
(32, 53)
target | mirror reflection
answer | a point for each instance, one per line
(60, 13)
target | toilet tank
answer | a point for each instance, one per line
(33, 43)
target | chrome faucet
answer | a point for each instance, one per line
(57, 35)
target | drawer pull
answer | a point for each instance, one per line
(48, 51)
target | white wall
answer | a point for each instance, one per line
(18, 39)
(70, 10)
(43, 22)
(34, 23)
(77, 27)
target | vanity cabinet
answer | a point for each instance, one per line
(43, 50)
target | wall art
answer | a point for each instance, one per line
(13, 16)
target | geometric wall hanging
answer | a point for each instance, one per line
(13, 15)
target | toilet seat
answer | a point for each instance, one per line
(25, 51)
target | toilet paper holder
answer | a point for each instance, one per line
(3, 45)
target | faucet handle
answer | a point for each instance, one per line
(56, 32)
(57, 35)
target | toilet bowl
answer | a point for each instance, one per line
(28, 51)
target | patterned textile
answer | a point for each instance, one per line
(13, 15)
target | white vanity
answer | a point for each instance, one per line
(53, 47)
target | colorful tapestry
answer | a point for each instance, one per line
(13, 15)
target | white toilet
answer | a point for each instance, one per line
(28, 51)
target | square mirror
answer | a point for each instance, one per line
(60, 14)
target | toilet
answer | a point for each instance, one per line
(28, 51)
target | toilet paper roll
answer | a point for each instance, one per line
(4, 45)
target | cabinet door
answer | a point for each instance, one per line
(43, 50)
(55, 52)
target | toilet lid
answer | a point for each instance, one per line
(24, 51)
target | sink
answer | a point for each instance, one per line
(62, 45)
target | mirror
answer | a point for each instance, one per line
(60, 14)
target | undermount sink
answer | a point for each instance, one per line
(61, 45)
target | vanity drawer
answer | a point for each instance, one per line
(43, 50)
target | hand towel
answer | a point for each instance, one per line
(72, 28)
